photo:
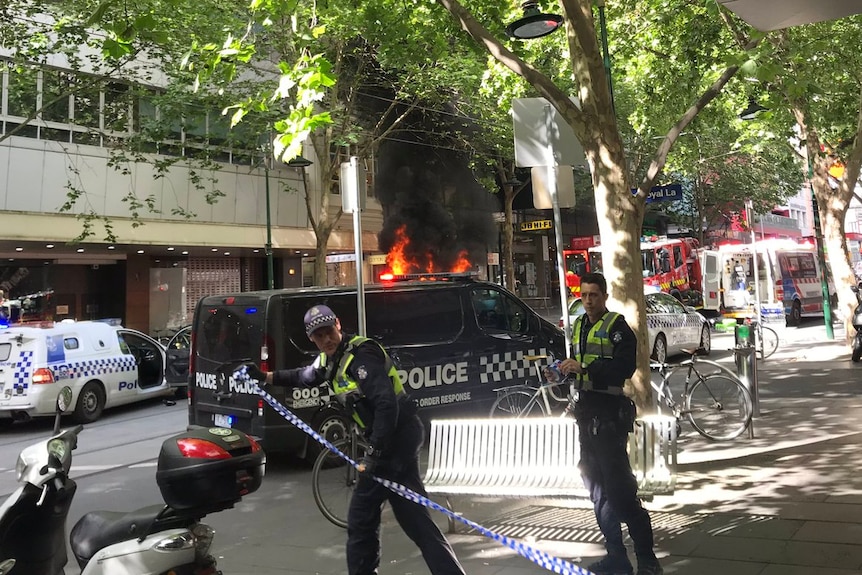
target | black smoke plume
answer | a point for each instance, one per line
(444, 210)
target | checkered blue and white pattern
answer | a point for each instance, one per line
(22, 372)
(93, 367)
(510, 366)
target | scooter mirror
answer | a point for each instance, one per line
(6, 566)
(64, 401)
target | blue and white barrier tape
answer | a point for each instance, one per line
(546, 560)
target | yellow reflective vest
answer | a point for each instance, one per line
(346, 389)
(597, 345)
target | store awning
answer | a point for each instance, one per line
(774, 14)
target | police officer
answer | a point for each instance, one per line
(605, 352)
(365, 380)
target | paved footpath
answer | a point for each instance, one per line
(787, 501)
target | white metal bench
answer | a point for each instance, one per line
(537, 457)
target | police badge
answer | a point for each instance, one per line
(361, 373)
(617, 336)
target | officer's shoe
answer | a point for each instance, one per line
(650, 567)
(612, 564)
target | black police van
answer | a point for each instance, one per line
(454, 340)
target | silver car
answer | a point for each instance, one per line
(671, 326)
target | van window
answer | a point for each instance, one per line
(230, 333)
(416, 316)
(5, 351)
(71, 343)
(797, 265)
(496, 311)
(405, 317)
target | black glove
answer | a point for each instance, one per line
(255, 372)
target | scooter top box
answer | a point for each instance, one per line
(205, 470)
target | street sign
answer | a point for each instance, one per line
(532, 137)
(493, 258)
(667, 193)
(537, 225)
(565, 177)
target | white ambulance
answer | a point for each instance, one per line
(105, 365)
(788, 279)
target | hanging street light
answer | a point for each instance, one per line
(534, 24)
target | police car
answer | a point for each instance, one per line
(671, 326)
(104, 364)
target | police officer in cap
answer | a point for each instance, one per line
(605, 352)
(365, 380)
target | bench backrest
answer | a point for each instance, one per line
(532, 456)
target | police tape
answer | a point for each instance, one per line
(546, 560)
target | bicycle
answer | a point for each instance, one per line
(717, 404)
(333, 479)
(529, 399)
(765, 340)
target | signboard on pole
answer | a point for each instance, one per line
(532, 137)
(666, 193)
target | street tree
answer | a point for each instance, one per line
(807, 79)
(596, 117)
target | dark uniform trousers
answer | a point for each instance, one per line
(363, 517)
(608, 477)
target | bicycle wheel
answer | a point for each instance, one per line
(718, 407)
(769, 341)
(333, 480)
(516, 403)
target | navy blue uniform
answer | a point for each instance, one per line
(394, 429)
(604, 422)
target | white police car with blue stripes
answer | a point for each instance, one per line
(105, 365)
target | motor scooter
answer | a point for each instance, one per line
(856, 354)
(33, 517)
(200, 471)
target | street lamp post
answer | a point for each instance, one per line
(270, 268)
(821, 255)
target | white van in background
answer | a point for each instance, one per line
(788, 276)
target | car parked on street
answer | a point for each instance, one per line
(104, 363)
(671, 326)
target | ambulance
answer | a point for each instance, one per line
(788, 279)
(105, 365)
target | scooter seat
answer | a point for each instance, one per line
(99, 529)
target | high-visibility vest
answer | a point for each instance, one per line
(598, 345)
(346, 388)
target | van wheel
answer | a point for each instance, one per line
(795, 317)
(91, 402)
(332, 426)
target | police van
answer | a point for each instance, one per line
(104, 364)
(454, 341)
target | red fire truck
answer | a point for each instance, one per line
(578, 261)
(673, 266)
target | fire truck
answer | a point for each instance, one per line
(580, 260)
(672, 265)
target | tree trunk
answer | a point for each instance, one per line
(508, 236)
(620, 217)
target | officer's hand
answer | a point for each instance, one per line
(569, 366)
(254, 372)
(368, 464)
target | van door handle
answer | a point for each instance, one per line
(222, 395)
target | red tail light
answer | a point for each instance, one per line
(267, 354)
(779, 291)
(387, 277)
(43, 375)
(201, 449)
(255, 446)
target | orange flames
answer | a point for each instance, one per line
(400, 263)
